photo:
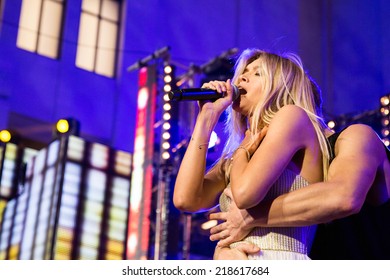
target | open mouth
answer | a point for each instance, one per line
(241, 91)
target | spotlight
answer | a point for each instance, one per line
(166, 97)
(62, 126)
(167, 88)
(5, 136)
(166, 135)
(385, 101)
(167, 79)
(167, 116)
(332, 124)
(68, 126)
(166, 145)
(165, 155)
(168, 69)
(384, 111)
(213, 139)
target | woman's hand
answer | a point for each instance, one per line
(252, 143)
(219, 105)
(239, 253)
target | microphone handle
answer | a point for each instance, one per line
(192, 94)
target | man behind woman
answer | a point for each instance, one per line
(352, 207)
(276, 144)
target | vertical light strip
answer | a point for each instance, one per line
(12, 225)
(6, 247)
(68, 210)
(162, 206)
(116, 233)
(165, 132)
(29, 235)
(70, 199)
(142, 176)
(8, 172)
(385, 112)
(93, 213)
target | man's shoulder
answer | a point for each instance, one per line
(361, 137)
(360, 133)
(359, 130)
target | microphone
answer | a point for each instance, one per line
(191, 94)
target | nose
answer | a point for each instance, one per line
(243, 78)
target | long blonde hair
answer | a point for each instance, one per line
(287, 83)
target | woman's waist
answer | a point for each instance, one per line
(294, 239)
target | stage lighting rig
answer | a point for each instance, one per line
(5, 136)
(385, 122)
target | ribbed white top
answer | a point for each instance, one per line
(293, 239)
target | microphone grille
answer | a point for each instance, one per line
(236, 92)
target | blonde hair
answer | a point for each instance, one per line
(287, 83)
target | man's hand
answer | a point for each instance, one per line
(239, 253)
(234, 226)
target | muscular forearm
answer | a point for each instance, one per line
(314, 204)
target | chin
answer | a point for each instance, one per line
(236, 107)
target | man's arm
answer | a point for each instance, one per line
(351, 175)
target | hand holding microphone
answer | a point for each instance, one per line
(198, 94)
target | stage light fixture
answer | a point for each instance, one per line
(62, 126)
(167, 88)
(166, 145)
(5, 136)
(385, 111)
(166, 135)
(165, 155)
(168, 69)
(213, 139)
(67, 126)
(168, 79)
(167, 116)
(331, 124)
(385, 100)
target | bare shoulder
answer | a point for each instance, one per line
(290, 114)
(360, 138)
(291, 110)
(291, 123)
